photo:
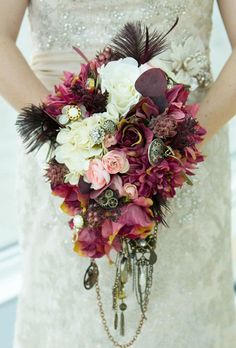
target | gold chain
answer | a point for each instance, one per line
(106, 327)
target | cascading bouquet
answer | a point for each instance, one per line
(122, 140)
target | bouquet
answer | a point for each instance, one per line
(122, 138)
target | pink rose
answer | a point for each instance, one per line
(109, 140)
(115, 162)
(96, 174)
(131, 191)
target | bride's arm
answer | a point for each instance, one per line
(19, 85)
(219, 105)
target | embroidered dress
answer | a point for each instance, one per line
(192, 299)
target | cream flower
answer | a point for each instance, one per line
(76, 146)
(188, 62)
(156, 62)
(118, 79)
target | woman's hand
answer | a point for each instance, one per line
(219, 105)
(19, 85)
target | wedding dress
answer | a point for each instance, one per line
(192, 299)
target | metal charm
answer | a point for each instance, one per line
(108, 199)
(74, 113)
(136, 258)
(156, 151)
(91, 275)
(97, 135)
(109, 126)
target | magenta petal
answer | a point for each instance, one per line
(132, 214)
(178, 93)
(109, 228)
(178, 115)
(114, 184)
(192, 109)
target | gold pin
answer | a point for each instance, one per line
(74, 113)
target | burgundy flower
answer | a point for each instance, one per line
(164, 178)
(160, 179)
(133, 138)
(177, 94)
(189, 133)
(136, 219)
(138, 167)
(83, 75)
(93, 243)
(143, 110)
(192, 156)
(74, 200)
(90, 243)
(165, 127)
(93, 100)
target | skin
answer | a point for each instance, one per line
(19, 85)
(218, 107)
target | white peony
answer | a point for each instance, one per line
(118, 79)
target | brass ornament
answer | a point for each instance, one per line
(74, 113)
(135, 260)
(91, 275)
(108, 199)
(156, 151)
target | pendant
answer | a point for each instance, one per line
(156, 151)
(91, 275)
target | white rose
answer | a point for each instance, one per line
(118, 79)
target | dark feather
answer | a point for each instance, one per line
(36, 127)
(137, 41)
(160, 207)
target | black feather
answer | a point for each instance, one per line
(137, 41)
(160, 207)
(36, 128)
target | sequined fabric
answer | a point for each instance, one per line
(192, 302)
(90, 25)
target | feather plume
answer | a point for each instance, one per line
(137, 41)
(36, 128)
(160, 207)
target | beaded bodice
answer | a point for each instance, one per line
(59, 24)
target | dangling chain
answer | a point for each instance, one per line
(136, 258)
(106, 327)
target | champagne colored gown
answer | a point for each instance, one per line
(192, 300)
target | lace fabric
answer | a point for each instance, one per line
(192, 301)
